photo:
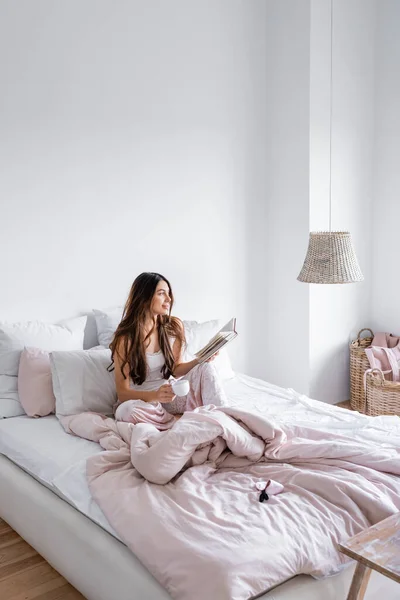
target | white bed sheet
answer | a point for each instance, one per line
(58, 460)
(41, 446)
(43, 449)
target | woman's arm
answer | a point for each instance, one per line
(184, 368)
(181, 368)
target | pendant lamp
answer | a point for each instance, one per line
(330, 256)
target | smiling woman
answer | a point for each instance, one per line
(146, 329)
(147, 350)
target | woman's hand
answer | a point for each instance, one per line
(213, 357)
(165, 393)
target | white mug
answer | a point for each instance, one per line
(181, 387)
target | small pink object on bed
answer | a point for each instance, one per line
(35, 387)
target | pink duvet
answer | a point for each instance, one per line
(185, 500)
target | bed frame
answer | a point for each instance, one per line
(91, 559)
(95, 562)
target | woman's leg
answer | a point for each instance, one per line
(138, 411)
(124, 410)
(205, 387)
(177, 406)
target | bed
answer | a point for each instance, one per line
(42, 470)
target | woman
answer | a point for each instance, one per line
(147, 350)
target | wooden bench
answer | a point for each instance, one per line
(377, 548)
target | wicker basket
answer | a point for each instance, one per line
(359, 363)
(382, 397)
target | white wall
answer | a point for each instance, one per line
(338, 312)
(386, 207)
(278, 306)
(125, 131)
(191, 138)
(301, 333)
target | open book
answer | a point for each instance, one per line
(226, 334)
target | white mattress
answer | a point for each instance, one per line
(58, 460)
(41, 446)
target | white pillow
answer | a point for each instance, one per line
(9, 400)
(67, 335)
(81, 382)
(106, 323)
(197, 336)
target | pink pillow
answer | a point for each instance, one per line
(35, 387)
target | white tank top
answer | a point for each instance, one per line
(154, 379)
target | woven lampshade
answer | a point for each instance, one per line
(330, 259)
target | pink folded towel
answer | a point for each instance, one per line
(384, 354)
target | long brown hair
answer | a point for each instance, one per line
(129, 339)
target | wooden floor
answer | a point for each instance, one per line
(25, 575)
(345, 404)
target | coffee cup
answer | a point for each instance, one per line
(181, 387)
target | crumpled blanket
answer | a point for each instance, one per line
(184, 500)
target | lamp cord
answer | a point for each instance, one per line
(330, 125)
